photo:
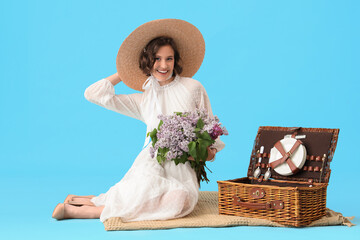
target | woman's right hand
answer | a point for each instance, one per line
(114, 79)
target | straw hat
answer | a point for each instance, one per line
(188, 38)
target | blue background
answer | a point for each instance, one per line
(277, 63)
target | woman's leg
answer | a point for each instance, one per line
(79, 201)
(71, 196)
(67, 211)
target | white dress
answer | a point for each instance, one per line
(150, 191)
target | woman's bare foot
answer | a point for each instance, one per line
(67, 211)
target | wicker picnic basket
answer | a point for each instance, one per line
(295, 200)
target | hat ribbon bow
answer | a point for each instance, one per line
(153, 99)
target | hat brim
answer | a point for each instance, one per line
(188, 38)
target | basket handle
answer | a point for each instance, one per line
(278, 204)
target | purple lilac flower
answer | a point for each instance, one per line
(177, 131)
(216, 131)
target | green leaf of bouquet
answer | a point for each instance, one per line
(198, 135)
(163, 151)
(208, 142)
(184, 158)
(200, 123)
(153, 135)
(197, 130)
(203, 144)
(192, 149)
(159, 159)
(197, 161)
(160, 123)
(206, 135)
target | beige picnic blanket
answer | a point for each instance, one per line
(206, 214)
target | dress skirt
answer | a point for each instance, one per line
(150, 191)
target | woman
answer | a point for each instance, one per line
(150, 191)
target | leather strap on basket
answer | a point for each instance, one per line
(278, 204)
(286, 156)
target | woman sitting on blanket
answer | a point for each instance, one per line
(168, 52)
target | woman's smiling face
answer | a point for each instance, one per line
(164, 65)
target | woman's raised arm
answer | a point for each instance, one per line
(114, 79)
(103, 94)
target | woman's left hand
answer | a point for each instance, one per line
(211, 154)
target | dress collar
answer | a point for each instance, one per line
(153, 82)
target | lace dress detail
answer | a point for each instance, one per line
(150, 191)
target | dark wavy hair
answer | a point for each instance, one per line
(147, 56)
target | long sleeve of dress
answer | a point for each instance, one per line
(103, 94)
(203, 102)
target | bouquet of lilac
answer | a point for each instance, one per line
(183, 135)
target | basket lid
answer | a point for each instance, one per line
(320, 144)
